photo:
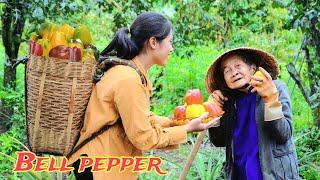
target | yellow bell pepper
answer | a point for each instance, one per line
(195, 110)
(58, 39)
(67, 30)
(82, 32)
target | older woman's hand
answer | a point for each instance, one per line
(217, 97)
(264, 86)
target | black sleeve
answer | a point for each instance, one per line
(217, 135)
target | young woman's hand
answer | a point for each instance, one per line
(195, 125)
(264, 86)
(218, 98)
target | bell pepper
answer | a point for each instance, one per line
(31, 46)
(75, 54)
(34, 36)
(82, 32)
(88, 56)
(95, 51)
(46, 45)
(61, 52)
(47, 29)
(38, 50)
(58, 39)
(76, 43)
(67, 30)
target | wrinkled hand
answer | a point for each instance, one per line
(264, 86)
(195, 125)
(217, 97)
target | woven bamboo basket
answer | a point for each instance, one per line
(57, 93)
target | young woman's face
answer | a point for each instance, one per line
(163, 50)
(237, 73)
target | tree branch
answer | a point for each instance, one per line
(310, 67)
(315, 36)
(296, 77)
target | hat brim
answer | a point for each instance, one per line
(267, 59)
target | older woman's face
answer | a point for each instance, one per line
(237, 73)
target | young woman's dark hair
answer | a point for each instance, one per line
(128, 42)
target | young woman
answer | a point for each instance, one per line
(121, 99)
(256, 128)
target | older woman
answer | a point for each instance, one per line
(257, 126)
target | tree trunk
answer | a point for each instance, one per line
(9, 75)
(316, 114)
(225, 33)
(296, 77)
(13, 25)
(310, 66)
(315, 36)
(314, 86)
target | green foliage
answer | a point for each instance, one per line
(209, 167)
(8, 146)
(308, 150)
(7, 155)
(124, 12)
(183, 72)
(201, 22)
(193, 22)
(305, 15)
(36, 12)
(15, 100)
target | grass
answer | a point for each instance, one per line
(207, 165)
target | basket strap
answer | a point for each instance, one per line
(110, 61)
(142, 77)
(19, 61)
(118, 61)
(94, 135)
(71, 114)
(39, 102)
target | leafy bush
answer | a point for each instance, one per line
(183, 72)
(308, 150)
